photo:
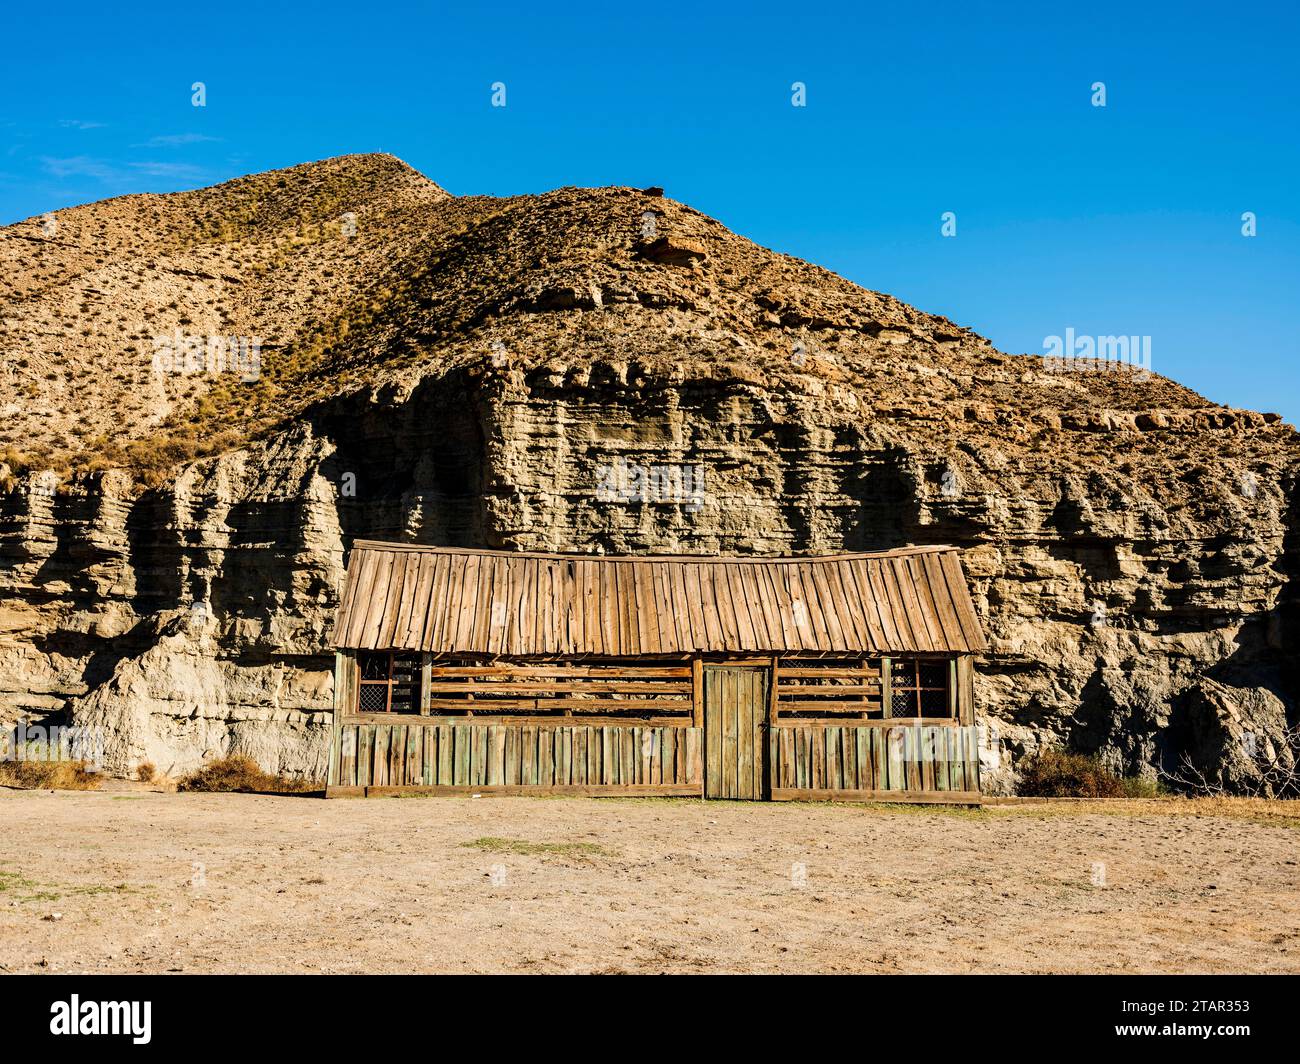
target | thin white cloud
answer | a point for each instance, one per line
(80, 166)
(77, 123)
(184, 171)
(173, 140)
(118, 175)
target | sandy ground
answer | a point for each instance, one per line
(152, 882)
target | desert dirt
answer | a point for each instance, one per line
(141, 881)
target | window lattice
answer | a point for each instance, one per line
(389, 683)
(919, 688)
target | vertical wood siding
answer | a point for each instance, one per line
(835, 760)
(620, 758)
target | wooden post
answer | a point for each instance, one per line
(772, 706)
(954, 703)
(697, 692)
(345, 683)
(886, 684)
(865, 665)
(426, 678)
(966, 688)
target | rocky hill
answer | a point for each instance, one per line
(469, 371)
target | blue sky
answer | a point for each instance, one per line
(1117, 220)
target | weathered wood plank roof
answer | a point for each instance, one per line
(448, 600)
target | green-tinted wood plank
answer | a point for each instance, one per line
(729, 728)
(496, 755)
(695, 756)
(591, 740)
(744, 733)
(528, 755)
(347, 771)
(445, 755)
(381, 754)
(414, 752)
(511, 775)
(460, 755)
(365, 744)
(834, 779)
(627, 764)
(848, 759)
(478, 773)
(895, 779)
(606, 762)
(578, 756)
(712, 734)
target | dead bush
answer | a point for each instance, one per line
(1056, 774)
(49, 776)
(241, 773)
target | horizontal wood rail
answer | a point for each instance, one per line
(577, 705)
(682, 671)
(489, 687)
(542, 720)
(874, 722)
(829, 673)
(828, 689)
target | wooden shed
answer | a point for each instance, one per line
(473, 671)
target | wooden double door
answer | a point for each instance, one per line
(736, 717)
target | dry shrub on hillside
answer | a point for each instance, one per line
(240, 773)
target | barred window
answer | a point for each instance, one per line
(389, 683)
(919, 688)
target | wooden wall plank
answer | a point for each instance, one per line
(816, 759)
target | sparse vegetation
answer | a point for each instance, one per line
(40, 775)
(1057, 774)
(242, 774)
(22, 889)
(1274, 771)
(524, 848)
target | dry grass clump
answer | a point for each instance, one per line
(145, 772)
(1056, 774)
(38, 775)
(241, 773)
(524, 847)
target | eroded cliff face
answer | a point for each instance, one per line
(584, 370)
(1125, 617)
